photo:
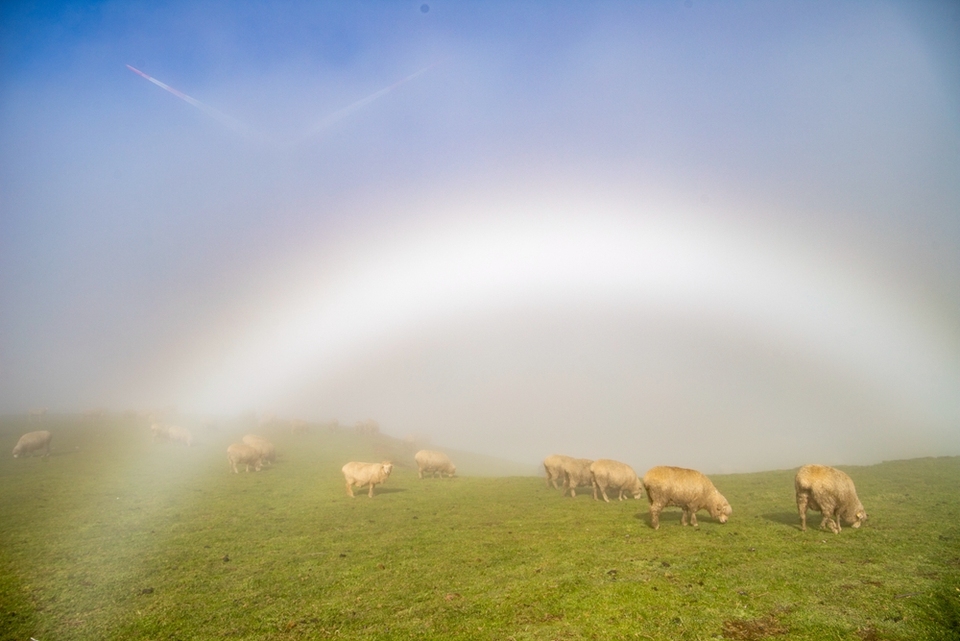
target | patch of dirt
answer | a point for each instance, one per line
(869, 634)
(753, 629)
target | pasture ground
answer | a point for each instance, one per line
(115, 537)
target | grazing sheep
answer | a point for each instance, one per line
(687, 489)
(434, 463)
(614, 475)
(180, 435)
(171, 433)
(553, 466)
(830, 492)
(31, 442)
(245, 455)
(160, 432)
(268, 453)
(298, 426)
(576, 473)
(361, 474)
(37, 414)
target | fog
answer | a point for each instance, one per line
(723, 236)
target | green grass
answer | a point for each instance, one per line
(114, 537)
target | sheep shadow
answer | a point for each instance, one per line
(388, 490)
(56, 453)
(671, 516)
(784, 518)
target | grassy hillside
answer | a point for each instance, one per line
(117, 537)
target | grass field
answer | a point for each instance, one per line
(115, 537)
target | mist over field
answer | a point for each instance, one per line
(715, 235)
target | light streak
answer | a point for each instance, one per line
(223, 118)
(363, 102)
(324, 124)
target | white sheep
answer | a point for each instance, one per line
(361, 474)
(553, 466)
(687, 489)
(434, 463)
(830, 492)
(245, 455)
(31, 442)
(614, 475)
(268, 453)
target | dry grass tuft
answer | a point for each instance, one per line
(753, 629)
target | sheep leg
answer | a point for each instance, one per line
(655, 515)
(835, 521)
(370, 493)
(350, 489)
(603, 490)
(802, 508)
(828, 524)
(693, 517)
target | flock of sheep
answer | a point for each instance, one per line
(373, 474)
(818, 487)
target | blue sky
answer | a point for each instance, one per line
(610, 226)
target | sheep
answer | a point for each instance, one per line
(160, 432)
(686, 489)
(434, 463)
(37, 414)
(576, 473)
(31, 442)
(614, 475)
(361, 474)
(553, 466)
(163, 432)
(298, 426)
(268, 453)
(244, 454)
(180, 435)
(830, 492)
